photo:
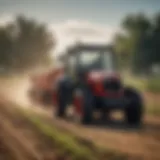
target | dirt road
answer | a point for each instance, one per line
(144, 142)
(5, 153)
(20, 141)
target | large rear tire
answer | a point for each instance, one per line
(86, 115)
(134, 114)
(64, 96)
(134, 109)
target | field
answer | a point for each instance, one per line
(150, 89)
(26, 136)
(113, 140)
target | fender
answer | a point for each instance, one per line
(63, 88)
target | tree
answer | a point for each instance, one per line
(5, 47)
(33, 42)
(24, 44)
(155, 40)
(136, 41)
(122, 49)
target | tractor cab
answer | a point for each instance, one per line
(94, 65)
(86, 58)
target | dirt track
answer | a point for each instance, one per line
(20, 140)
(143, 142)
(5, 153)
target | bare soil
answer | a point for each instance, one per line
(5, 153)
(141, 142)
(19, 140)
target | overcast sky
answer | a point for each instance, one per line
(102, 15)
(100, 11)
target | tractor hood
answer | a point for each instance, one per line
(105, 83)
(98, 76)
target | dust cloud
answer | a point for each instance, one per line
(15, 89)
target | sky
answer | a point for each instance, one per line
(97, 18)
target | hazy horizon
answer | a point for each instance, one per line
(102, 17)
(103, 11)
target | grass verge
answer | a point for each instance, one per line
(69, 145)
(136, 82)
(153, 85)
(150, 89)
(153, 110)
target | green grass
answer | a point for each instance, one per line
(138, 83)
(143, 84)
(153, 85)
(153, 110)
(69, 144)
(66, 143)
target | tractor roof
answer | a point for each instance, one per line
(80, 46)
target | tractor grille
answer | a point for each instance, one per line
(112, 85)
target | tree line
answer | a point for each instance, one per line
(138, 47)
(24, 43)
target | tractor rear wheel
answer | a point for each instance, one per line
(64, 96)
(134, 110)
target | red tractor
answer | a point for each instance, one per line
(92, 83)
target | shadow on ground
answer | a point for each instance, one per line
(120, 125)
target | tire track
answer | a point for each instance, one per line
(15, 141)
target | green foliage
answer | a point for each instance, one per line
(143, 84)
(5, 46)
(153, 110)
(67, 143)
(135, 81)
(139, 45)
(153, 85)
(24, 44)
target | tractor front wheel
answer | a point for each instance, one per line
(83, 107)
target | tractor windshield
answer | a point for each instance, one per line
(96, 60)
